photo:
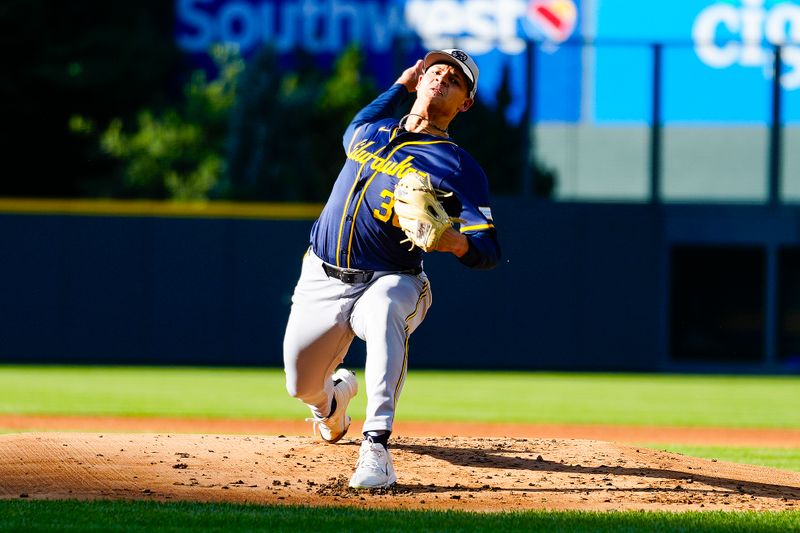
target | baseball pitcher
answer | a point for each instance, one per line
(405, 189)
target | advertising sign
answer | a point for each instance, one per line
(494, 32)
(718, 59)
(593, 58)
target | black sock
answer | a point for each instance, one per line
(381, 437)
(333, 402)
(333, 406)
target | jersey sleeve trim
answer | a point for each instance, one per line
(476, 227)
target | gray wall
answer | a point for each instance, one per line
(700, 163)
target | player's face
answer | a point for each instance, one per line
(446, 87)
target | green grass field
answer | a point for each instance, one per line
(526, 397)
(628, 399)
(159, 517)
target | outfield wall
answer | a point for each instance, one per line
(580, 286)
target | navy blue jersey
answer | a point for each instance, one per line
(358, 228)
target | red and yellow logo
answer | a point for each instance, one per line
(554, 20)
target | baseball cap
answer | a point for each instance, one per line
(457, 57)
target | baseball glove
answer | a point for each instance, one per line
(419, 212)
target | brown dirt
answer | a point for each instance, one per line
(466, 473)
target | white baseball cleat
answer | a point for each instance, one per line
(374, 469)
(334, 426)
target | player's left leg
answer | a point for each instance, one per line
(385, 316)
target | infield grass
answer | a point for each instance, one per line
(169, 517)
(783, 458)
(523, 397)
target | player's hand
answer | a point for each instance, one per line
(410, 76)
(453, 241)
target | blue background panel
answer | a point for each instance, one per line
(624, 87)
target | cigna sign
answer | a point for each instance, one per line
(326, 26)
(727, 34)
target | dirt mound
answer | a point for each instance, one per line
(476, 474)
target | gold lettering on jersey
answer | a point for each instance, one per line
(360, 154)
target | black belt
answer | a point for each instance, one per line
(352, 275)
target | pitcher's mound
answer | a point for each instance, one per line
(471, 474)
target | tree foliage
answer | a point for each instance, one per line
(287, 126)
(255, 132)
(178, 153)
(261, 131)
(286, 131)
(96, 101)
(93, 58)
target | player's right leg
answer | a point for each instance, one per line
(316, 340)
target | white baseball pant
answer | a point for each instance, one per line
(325, 316)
